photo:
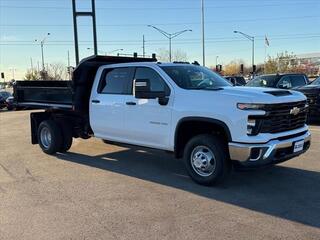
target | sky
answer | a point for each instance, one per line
(290, 25)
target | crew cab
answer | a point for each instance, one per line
(312, 92)
(180, 108)
(283, 81)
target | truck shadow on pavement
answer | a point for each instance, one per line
(284, 192)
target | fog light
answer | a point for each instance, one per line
(250, 126)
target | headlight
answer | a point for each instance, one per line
(250, 106)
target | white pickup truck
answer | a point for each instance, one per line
(185, 109)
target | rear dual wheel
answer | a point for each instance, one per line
(54, 136)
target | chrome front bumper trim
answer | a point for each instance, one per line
(242, 151)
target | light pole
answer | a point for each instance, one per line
(170, 36)
(217, 60)
(99, 51)
(41, 45)
(202, 30)
(106, 53)
(116, 50)
(251, 38)
(13, 72)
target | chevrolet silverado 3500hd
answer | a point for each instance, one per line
(182, 108)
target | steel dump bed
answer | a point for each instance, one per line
(73, 95)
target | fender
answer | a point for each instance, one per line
(201, 119)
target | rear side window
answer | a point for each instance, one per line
(116, 81)
(297, 80)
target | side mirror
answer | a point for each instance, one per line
(142, 89)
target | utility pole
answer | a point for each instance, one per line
(31, 64)
(203, 38)
(69, 69)
(143, 46)
(41, 45)
(170, 36)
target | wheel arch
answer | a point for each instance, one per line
(200, 125)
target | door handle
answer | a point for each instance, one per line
(95, 101)
(131, 103)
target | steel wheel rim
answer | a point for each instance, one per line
(203, 161)
(45, 137)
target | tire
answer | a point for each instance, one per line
(67, 136)
(207, 159)
(49, 137)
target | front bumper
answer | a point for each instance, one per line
(274, 151)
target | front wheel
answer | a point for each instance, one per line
(206, 159)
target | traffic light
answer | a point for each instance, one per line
(220, 68)
(217, 68)
(241, 69)
(254, 68)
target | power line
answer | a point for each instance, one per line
(158, 8)
(104, 43)
(142, 24)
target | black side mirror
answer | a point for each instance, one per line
(142, 89)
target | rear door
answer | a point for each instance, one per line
(107, 103)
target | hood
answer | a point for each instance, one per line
(263, 95)
(308, 87)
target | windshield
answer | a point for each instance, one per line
(262, 81)
(316, 82)
(194, 77)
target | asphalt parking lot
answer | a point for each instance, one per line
(99, 191)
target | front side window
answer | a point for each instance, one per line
(262, 81)
(285, 82)
(116, 81)
(316, 82)
(157, 84)
(194, 77)
(297, 80)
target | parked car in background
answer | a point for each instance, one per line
(10, 103)
(3, 97)
(312, 92)
(236, 80)
(284, 81)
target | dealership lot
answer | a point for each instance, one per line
(99, 191)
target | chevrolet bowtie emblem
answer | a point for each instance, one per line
(295, 111)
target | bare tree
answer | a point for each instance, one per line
(178, 55)
(54, 71)
(32, 74)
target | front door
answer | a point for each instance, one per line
(147, 122)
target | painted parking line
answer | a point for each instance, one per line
(315, 129)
